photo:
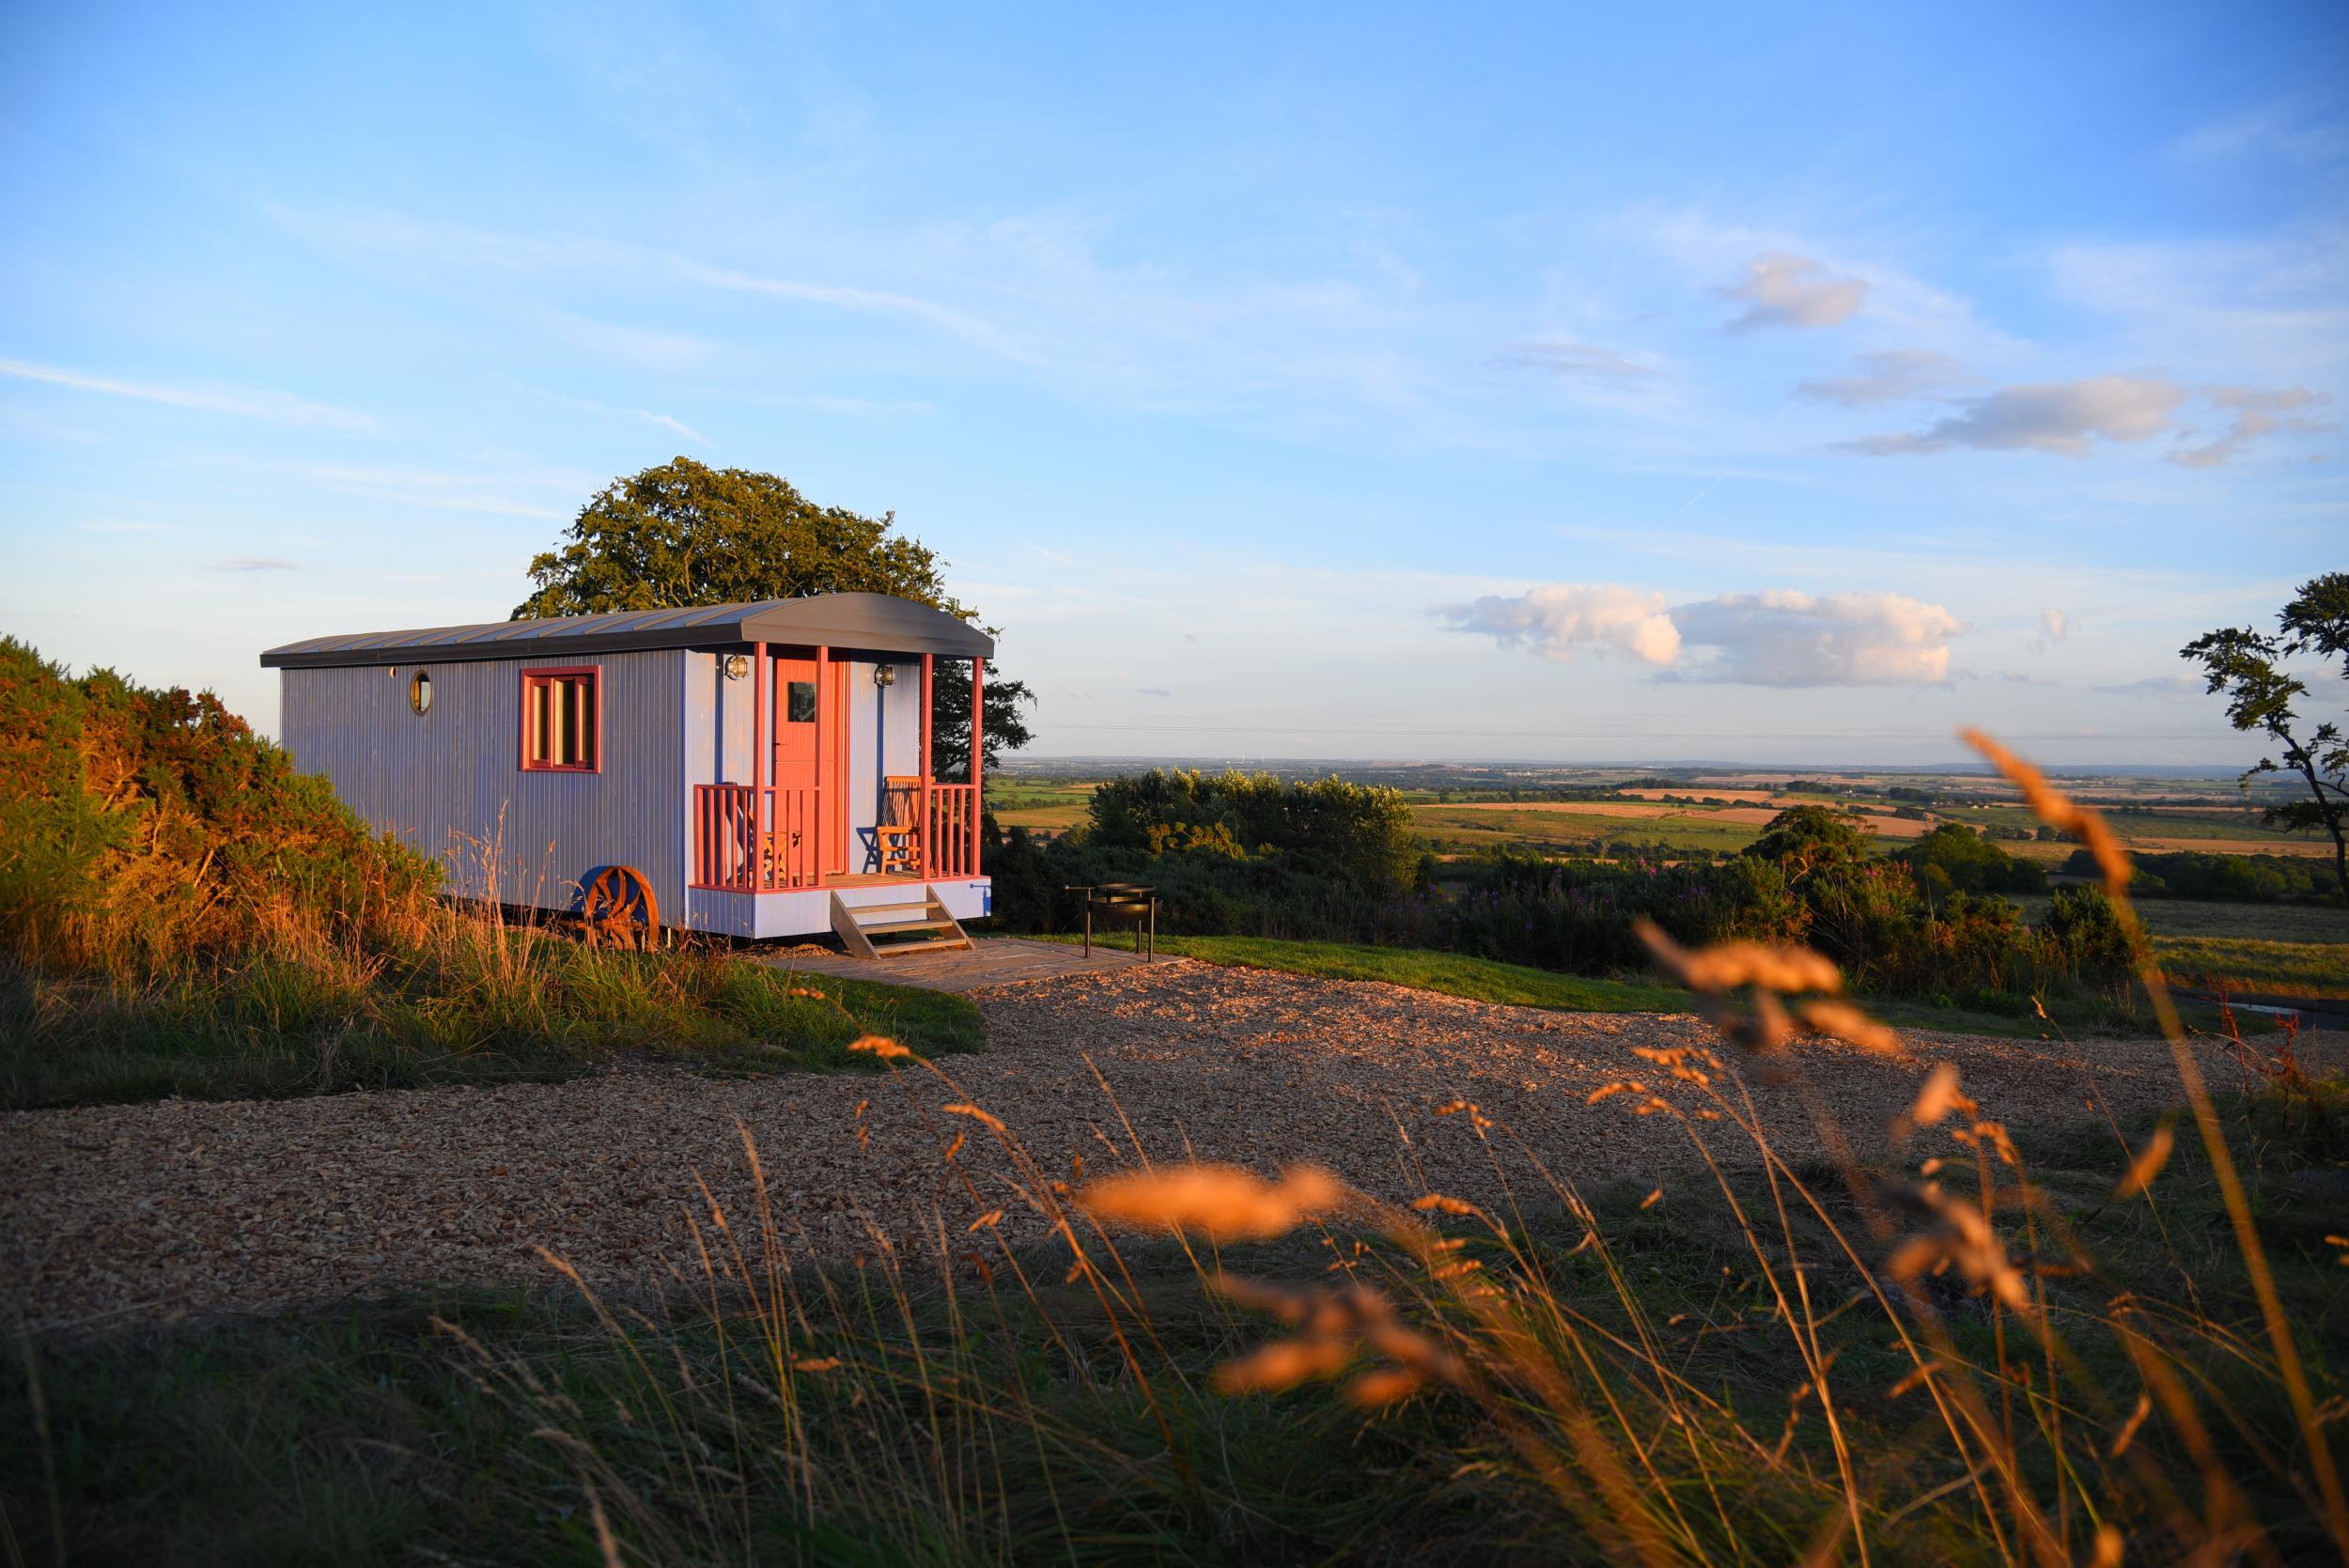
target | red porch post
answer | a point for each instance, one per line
(758, 765)
(930, 824)
(823, 716)
(978, 745)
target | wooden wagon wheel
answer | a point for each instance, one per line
(619, 907)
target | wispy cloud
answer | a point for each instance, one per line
(2267, 308)
(970, 329)
(642, 348)
(2065, 417)
(2158, 686)
(864, 408)
(1783, 289)
(1583, 362)
(251, 562)
(1887, 376)
(668, 422)
(2256, 414)
(277, 408)
(439, 491)
(2297, 128)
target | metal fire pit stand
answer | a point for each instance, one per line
(1127, 903)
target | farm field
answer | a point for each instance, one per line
(2290, 968)
(1039, 807)
(2295, 950)
(1462, 810)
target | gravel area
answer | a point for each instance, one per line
(116, 1214)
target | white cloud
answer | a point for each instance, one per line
(1567, 618)
(1775, 638)
(276, 407)
(2256, 414)
(1783, 289)
(1890, 376)
(1782, 638)
(251, 562)
(2067, 417)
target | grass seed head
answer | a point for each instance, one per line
(2147, 1163)
(1222, 1201)
(2058, 809)
(1849, 1024)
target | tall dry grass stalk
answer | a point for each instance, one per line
(2007, 1400)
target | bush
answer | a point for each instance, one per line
(1954, 858)
(182, 914)
(2083, 919)
(142, 827)
(1230, 854)
(2224, 879)
(1359, 834)
(1241, 855)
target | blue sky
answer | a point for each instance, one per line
(1548, 383)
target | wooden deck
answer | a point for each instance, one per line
(987, 961)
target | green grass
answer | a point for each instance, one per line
(2294, 949)
(1518, 985)
(468, 1001)
(1449, 973)
(2313, 924)
(982, 1420)
(2296, 969)
(1020, 804)
(1450, 829)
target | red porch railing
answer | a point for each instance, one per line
(760, 838)
(952, 845)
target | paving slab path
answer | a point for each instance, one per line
(118, 1214)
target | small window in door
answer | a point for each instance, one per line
(799, 702)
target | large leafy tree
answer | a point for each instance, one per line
(1802, 839)
(683, 534)
(2248, 665)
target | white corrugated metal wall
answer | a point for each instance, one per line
(450, 783)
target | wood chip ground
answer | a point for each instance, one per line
(111, 1215)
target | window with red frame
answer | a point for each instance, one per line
(562, 720)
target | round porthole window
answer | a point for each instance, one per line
(420, 693)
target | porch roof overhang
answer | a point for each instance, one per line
(848, 624)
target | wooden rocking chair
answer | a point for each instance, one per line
(898, 836)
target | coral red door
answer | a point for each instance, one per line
(798, 753)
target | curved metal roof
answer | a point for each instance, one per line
(851, 622)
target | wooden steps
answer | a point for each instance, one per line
(882, 930)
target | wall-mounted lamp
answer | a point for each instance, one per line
(737, 665)
(884, 675)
